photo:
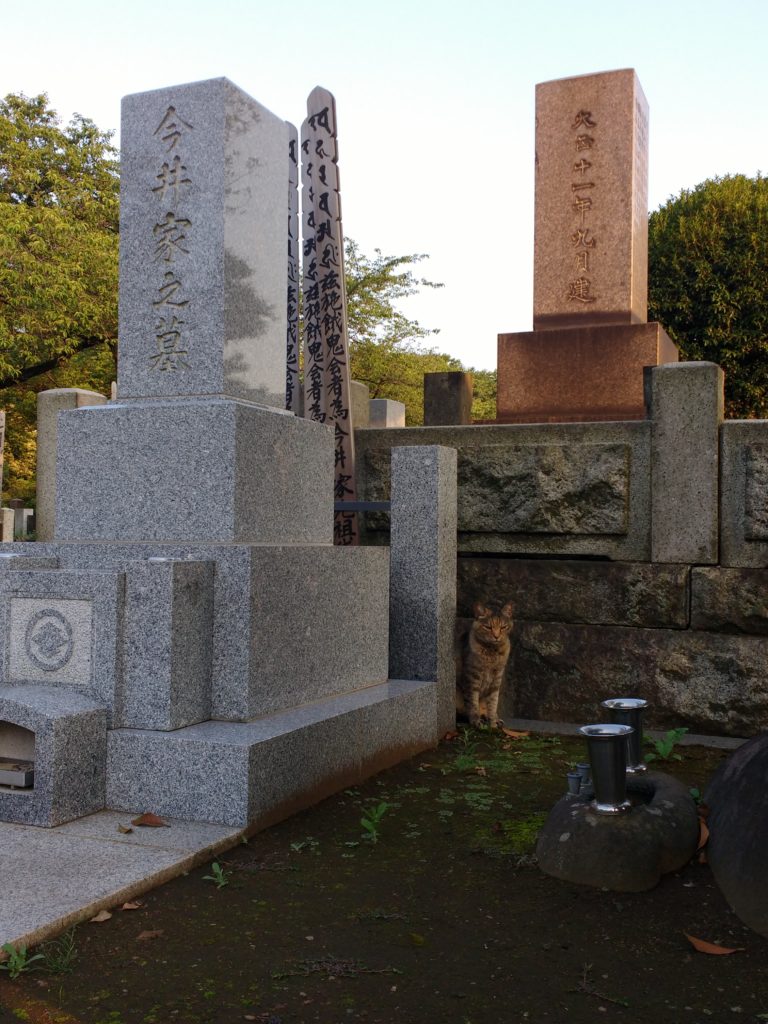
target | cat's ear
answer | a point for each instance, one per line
(508, 610)
(479, 610)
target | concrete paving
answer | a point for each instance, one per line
(58, 877)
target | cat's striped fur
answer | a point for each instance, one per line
(482, 653)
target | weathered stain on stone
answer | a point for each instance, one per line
(755, 491)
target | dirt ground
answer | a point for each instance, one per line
(435, 912)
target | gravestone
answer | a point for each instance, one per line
(584, 358)
(192, 641)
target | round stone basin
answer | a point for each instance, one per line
(626, 852)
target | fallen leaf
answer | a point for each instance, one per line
(515, 734)
(125, 829)
(702, 858)
(103, 915)
(710, 947)
(451, 736)
(155, 934)
(150, 820)
(135, 905)
(480, 770)
(703, 834)
(416, 939)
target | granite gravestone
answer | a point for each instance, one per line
(192, 641)
(585, 356)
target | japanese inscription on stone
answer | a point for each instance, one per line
(171, 240)
(326, 369)
(292, 336)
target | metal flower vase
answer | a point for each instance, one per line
(607, 746)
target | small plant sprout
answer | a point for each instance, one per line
(219, 875)
(17, 960)
(372, 820)
(663, 748)
(59, 955)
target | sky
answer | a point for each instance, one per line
(435, 105)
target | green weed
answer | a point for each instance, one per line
(219, 875)
(372, 821)
(663, 748)
(17, 960)
(59, 955)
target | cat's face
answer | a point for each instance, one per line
(493, 627)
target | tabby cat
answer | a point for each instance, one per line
(482, 653)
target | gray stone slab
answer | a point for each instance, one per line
(168, 644)
(580, 488)
(729, 600)
(49, 404)
(204, 179)
(385, 412)
(320, 623)
(447, 398)
(422, 586)
(744, 493)
(359, 397)
(69, 754)
(710, 683)
(553, 590)
(179, 835)
(63, 629)
(687, 411)
(252, 773)
(194, 470)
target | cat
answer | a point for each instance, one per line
(482, 653)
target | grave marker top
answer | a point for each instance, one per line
(204, 176)
(591, 235)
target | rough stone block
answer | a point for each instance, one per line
(607, 593)
(591, 231)
(168, 645)
(744, 493)
(711, 683)
(63, 629)
(447, 398)
(384, 412)
(730, 600)
(49, 405)
(8, 521)
(203, 206)
(422, 588)
(70, 733)
(193, 471)
(687, 411)
(538, 489)
(738, 832)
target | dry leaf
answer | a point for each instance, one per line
(135, 905)
(103, 915)
(451, 736)
(710, 947)
(515, 734)
(702, 857)
(154, 934)
(480, 770)
(125, 829)
(150, 820)
(703, 834)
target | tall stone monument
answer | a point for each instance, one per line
(584, 358)
(192, 641)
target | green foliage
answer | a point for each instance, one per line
(708, 267)
(484, 397)
(59, 955)
(219, 875)
(17, 960)
(663, 748)
(386, 348)
(372, 820)
(58, 266)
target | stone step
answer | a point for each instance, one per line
(255, 773)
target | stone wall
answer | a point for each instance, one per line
(635, 554)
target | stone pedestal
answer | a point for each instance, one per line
(447, 399)
(578, 374)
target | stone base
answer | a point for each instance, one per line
(627, 852)
(193, 470)
(255, 773)
(578, 374)
(69, 733)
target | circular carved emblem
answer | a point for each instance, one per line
(48, 640)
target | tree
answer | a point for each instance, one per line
(708, 282)
(58, 265)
